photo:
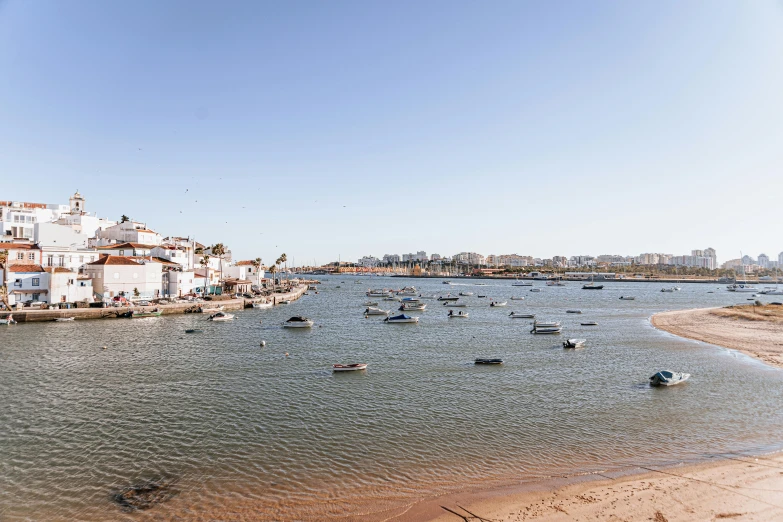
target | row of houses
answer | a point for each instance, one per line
(58, 257)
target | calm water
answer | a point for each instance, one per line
(246, 429)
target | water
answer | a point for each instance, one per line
(246, 431)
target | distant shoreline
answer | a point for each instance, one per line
(719, 326)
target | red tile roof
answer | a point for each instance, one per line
(58, 270)
(127, 245)
(18, 246)
(155, 259)
(114, 260)
(23, 267)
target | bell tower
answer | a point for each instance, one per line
(77, 203)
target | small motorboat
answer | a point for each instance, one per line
(260, 306)
(589, 323)
(668, 378)
(284, 301)
(517, 298)
(7, 320)
(454, 304)
(545, 324)
(627, 298)
(495, 304)
(481, 296)
(446, 282)
(348, 367)
(488, 361)
(574, 343)
(378, 293)
(372, 310)
(591, 286)
(312, 287)
(298, 322)
(535, 289)
(546, 330)
(192, 331)
(466, 294)
(408, 290)
(448, 298)
(522, 283)
(370, 303)
(64, 319)
(410, 299)
(412, 306)
(221, 317)
(669, 290)
(390, 298)
(520, 315)
(140, 314)
(573, 311)
(459, 313)
(402, 318)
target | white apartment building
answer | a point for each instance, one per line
(391, 259)
(763, 261)
(469, 258)
(66, 286)
(119, 275)
(127, 232)
(26, 282)
(18, 218)
(244, 271)
(369, 261)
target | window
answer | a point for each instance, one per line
(81, 259)
(17, 282)
(49, 260)
(36, 297)
(20, 255)
(36, 281)
(31, 256)
(122, 252)
(116, 275)
(61, 261)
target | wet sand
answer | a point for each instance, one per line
(731, 327)
(739, 488)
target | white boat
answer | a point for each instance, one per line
(408, 290)
(448, 298)
(212, 310)
(284, 301)
(378, 293)
(466, 294)
(65, 319)
(376, 311)
(7, 320)
(298, 322)
(547, 324)
(496, 304)
(535, 289)
(627, 298)
(370, 303)
(412, 306)
(520, 315)
(668, 378)
(555, 282)
(546, 330)
(460, 313)
(446, 282)
(221, 316)
(402, 318)
(742, 288)
(589, 323)
(517, 298)
(770, 290)
(410, 300)
(574, 343)
(670, 290)
(348, 367)
(521, 283)
(261, 306)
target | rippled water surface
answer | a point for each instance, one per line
(242, 430)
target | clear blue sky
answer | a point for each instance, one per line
(348, 128)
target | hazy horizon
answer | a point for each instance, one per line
(349, 129)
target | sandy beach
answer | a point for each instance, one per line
(739, 328)
(732, 488)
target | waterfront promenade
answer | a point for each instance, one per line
(29, 316)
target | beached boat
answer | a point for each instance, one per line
(589, 323)
(466, 294)
(412, 306)
(348, 367)
(668, 378)
(627, 298)
(376, 311)
(521, 315)
(488, 361)
(64, 319)
(402, 318)
(460, 313)
(573, 311)
(574, 343)
(496, 304)
(298, 322)
(138, 314)
(221, 317)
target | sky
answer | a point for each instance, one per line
(339, 129)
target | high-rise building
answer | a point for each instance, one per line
(763, 261)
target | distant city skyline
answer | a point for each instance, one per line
(338, 130)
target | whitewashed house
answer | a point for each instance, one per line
(18, 218)
(128, 232)
(81, 221)
(66, 286)
(27, 282)
(127, 249)
(244, 270)
(175, 254)
(119, 275)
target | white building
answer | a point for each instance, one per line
(18, 218)
(128, 249)
(66, 286)
(369, 261)
(244, 271)
(119, 275)
(177, 283)
(469, 258)
(128, 232)
(26, 282)
(390, 259)
(80, 220)
(176, 254)
(763, 261)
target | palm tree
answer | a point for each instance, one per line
(204, 264)
(219, 250)
(283, 259)
(257, 265)
(124, 218)
(273, 269)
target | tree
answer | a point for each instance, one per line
(205, 264)
(273, 269)
(219, 250)
(283, 259)
(124, 218)
(257, 265)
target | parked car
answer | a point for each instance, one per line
(143, 303)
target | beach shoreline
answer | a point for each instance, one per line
(737, 488)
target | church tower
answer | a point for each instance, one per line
(77, 203)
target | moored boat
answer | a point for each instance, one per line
(546, 330)
(137, 314)
(8, 320)
(517, 298)
(460, 313)
(465, 294)
(402, 318)
(592, 286)
(454, 304)
(298, 322)
(448, 298)
(412, 306)
(372, 310)
(521, 315)
(370, 303)
(573, 311)
(349, 367)
(589, 323)
(221, 317)
(263, 305)
(668, 378)
(497, 304)
(627, 298)
(535, 289)
(574, 343)
(488, 361)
